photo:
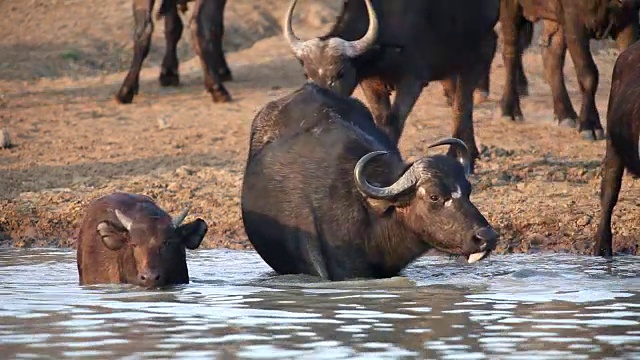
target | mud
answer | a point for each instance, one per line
(71, 143)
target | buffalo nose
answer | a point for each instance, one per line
(486, 238)
(149, 277)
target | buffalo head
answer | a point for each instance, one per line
(157, 243)
(327, 62)
(431, 198)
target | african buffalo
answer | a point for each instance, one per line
(401, 46)
(326, 193)
(127, 238)
(206, 30)
(481, 93)
(623, 140)
(567, 24)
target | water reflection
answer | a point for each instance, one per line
(513, 307)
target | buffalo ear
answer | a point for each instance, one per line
(380, 207)
(191, 234)
(111, 237)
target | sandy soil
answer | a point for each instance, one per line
(536, 182)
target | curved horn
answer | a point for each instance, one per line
(294, 42)
(124, 220)
(464, 157)
(408, 179)
(358, 47)
(180, 218)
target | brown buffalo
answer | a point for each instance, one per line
(623, 140)
(127, 238)
(207, 29)
(568, 24)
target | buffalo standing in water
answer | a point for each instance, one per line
(623, 140)
(326, 193)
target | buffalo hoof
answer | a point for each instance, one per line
(125, 95)
(480, 96)
(512, 119)
(592, 135)
(568, 123)
(225, 75)
(169, 79)
(604, 251)
(220, 96)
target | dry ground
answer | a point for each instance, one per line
(62, 61)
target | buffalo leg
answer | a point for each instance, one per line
(463, 113)
(169, 75)
(511, 21)
(143, 28)
(449, 88)
(377, 96)
(526, 36)
(488, 50)
(553, 57)
(481, 92)
(407, 93)
(578, 43)
(613, 170)
(204, 30)
(221, 61)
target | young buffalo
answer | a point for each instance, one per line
(127, 238)
(623, 139)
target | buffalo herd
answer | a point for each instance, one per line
(326, 191)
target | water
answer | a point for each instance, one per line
(510, 307)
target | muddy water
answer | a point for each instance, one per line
(510, 307)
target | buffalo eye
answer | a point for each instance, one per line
(434, 198)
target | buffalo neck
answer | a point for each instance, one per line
(394, 245)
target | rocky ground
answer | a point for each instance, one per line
(536, 182)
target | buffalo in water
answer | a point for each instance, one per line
(623, 140)
(326, 193)
(127, 238)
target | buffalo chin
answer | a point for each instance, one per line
(475, 257)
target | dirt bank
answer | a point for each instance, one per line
(536, 182)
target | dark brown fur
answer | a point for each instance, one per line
(419, 41)
(304, 214)
(207, 29)
(152, 253)
(623, 137)
(569, 24)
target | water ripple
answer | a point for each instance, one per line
(509, 307)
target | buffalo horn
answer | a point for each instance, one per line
(180, 218)
(408, 179)
(294, 42)
(464, 157)
(124, 220)
(359, 47)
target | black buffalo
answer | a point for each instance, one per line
(623, 140)
(207, 28)
(401, 46)
(326, 193)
